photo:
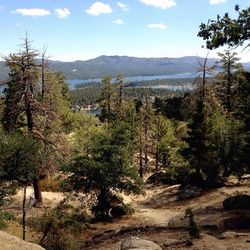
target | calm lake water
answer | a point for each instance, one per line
(72, 83)
(182, 87)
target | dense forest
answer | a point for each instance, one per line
(91, 93)
(142, 135)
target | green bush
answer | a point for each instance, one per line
(177, 175)
(66, 217)
(129, 209)
(193, 229)
(59, 225)
(4, 217)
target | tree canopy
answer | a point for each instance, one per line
(226, 30)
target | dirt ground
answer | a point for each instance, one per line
(159, 207)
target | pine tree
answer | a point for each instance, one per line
(226, 31)
(227, 88)
(31, 105)
(242, 113)
(106, 169)
(160, 129)
(144, 134)
(108, 94)
(197, 151)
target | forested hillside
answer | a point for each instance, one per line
(152, 163)
(128, 66)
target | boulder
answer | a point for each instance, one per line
(227, 235)
(238, 221)
(118, 211)
(9, 242)
(238, 202)
(156, 178)
(189, 192)
(136, 243)
(230, 235)
(218, 182)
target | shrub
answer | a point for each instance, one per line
(117, 211)
(61, 240)
(51, 184)
(177, 174)
(58, 226)
(122, 209)
(193, 229)
(129, 209)
(4, 217)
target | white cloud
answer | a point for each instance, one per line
(62, 13)
(98, 8)
(163, 4)
(18, 24)
(31, 12)
(118, 21)
(217, 1)
(123, 6)
(159, 26)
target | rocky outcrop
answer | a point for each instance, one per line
(157, 178)
(189, 192)
(139, 244)
(230, 235)
(118, 211)
(239, 202)
(239, 208)
(238, 220)
(9, 242)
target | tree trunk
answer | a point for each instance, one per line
(37, 192)
(24, 213)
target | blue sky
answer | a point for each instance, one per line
(84, 29)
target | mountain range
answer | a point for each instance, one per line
(127, 66)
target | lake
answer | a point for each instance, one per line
(74, 82)
(181, 87)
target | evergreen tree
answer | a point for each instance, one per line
(144, 134)
(197, 151)
(108, 94)
(233, 32)
(227, 88)
(86, 126)
(106, 169)
(196, 139)
(226, 144)
(160, 127)
(19, 163)
(226, 31)
(31, 106)
(242, 113)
